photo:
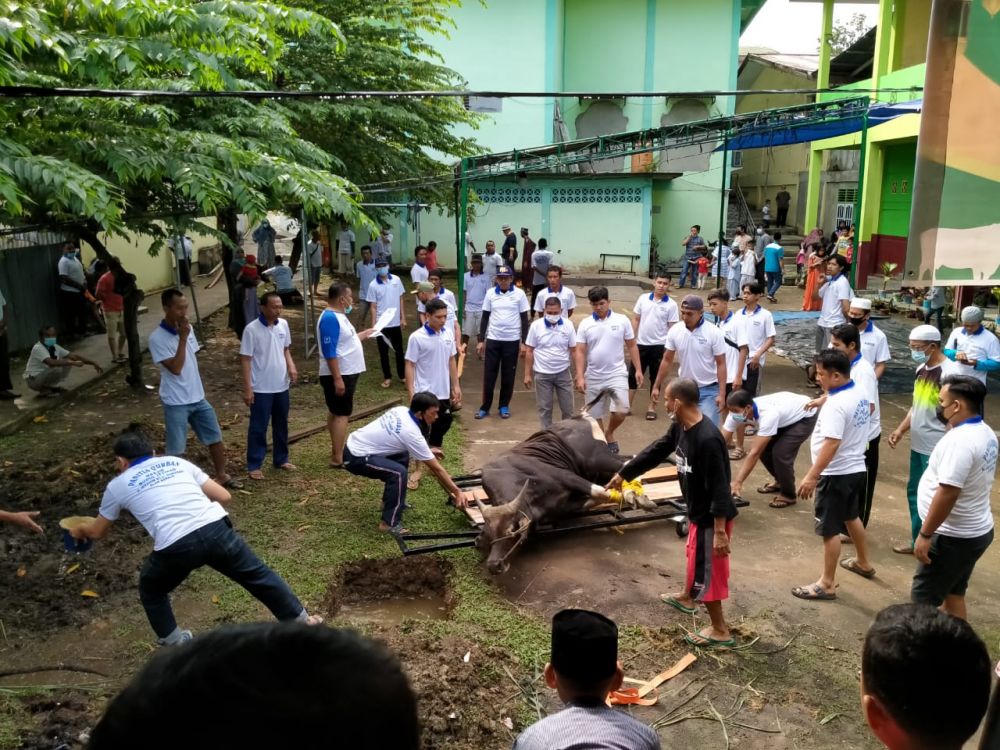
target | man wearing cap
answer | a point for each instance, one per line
(476, 286)
(501, 335)
(438, 291)
(508, 251)
(972, 346)
(386, 293)
(921, 421)
(491, 262)
(874, 344)
(701, 351)
(528, 250)
(382, 247)
(600, 366)
(583, 669)
(555, 288)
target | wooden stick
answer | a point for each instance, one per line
(56, 668)
(310, 431)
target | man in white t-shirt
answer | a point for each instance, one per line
(836, 296)
(476, 286)
(541, 259)
(491, 262)
(314, 259)
(383, 448)
(550, 346)
(502, 331)
(182, 509)
(268, 371)
(954, 498)
(700, 349)
(972, 346)
(341, 362)
(755, 326)
(71, 301)
(419, 271)
(555, 288)
(601, 340)
(736, 351)
(837, 474)
(783, 421)
(874, 344)
(437, 291)
(48, 364)
(174, 348)
(364, 269)
(345, 248)
(386, 293)
(748, 266)
(654, 312)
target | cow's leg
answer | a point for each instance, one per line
(577, 485)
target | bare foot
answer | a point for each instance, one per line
(313, 620)
(288, 466)
(257, 475)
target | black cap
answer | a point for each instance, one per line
(584, 645)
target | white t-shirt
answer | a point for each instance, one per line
(696, 351)
(419, 273)
(748, 266)
(443, 294)
(874, 345)
(71, 268)
(775, 412)
(396, 431)
(430, 354)
(977, 346)
(551, 344)
(756, 328)
(36, 360)
(164, 494)
(655, 317)
(566, 298)
(832, 292)
(315, 251)
(966, 457)
(338, 340)
(475, 291)
(863, 374)
(490, 265)
(344, 239)
(266, 345)
(731, 331)
(505, 310)
(385, 294)
(605, 340)
(845, 416)
(176, 390)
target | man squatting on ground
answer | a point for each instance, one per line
(182, 509)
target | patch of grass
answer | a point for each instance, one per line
(14, 719)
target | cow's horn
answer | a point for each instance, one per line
(516, 502)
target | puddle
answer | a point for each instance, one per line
(395, 611)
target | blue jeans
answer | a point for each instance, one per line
(219, 547)
(389, 469)
(773, 282)
(706, 402)
(273, 408)
(200, 415)
(689, 265)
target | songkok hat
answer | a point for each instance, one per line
(972, 314)
(693, 302)
(925, 333)
(584, 645)
(860, 303)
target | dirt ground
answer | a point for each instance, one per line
(476, 661)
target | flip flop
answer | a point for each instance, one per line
(233, 484)
(739, 502)
(769, 489)
(386, 383)
(413, 483)
(813, 592)
(903, 549)
(650, 416)
(256, 475)
(851, 564)
(781, 502)
(704, 641)
(332, 465)
(672, 602)
(287, 466)
(736, 454)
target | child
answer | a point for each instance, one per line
(702, 270)
(765, 214)
(800, 263)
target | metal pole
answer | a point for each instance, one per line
(722, 214)
(179, 248)
(463, 227)
(856, 218)
(306, 289)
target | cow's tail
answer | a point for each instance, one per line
(603, 393)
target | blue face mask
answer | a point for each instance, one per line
(918, 356)
(739, 418)
(383, 271)
(49, 341)
(347, 310)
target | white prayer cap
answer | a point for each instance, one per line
(860, 303)
(972, 314)
(925, 333)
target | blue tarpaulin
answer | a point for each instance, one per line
(784, 135)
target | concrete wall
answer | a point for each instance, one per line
(910, 33)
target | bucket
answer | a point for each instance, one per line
(75, 545)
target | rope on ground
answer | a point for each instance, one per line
(56, 668)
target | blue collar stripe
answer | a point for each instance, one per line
(140, 459)
(165, 327)
(844, 387)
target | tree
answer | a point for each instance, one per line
(845, 33)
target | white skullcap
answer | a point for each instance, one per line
(972, 314)
(861, 303)
(925, 333)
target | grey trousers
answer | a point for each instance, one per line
(560, 384)
(823, 338)
(779, 454)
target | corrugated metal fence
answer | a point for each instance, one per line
(28, 280)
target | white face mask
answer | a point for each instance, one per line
(553, 319)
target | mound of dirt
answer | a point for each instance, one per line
(63, 722)
(396, 577)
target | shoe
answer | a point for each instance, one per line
(613, 447)
(184, 637)
(482, 414)
(504, 412)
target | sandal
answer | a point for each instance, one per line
(386, 383)
(287, 466)
(736, 454)
(769, 489)
(671, 601)
(739, 502)
(413, 482)
(851, 564)
(813, 592)
(903, 549)
(781, 502)
(233, 484)
(256, 475)
(650, 416)
(704, 641)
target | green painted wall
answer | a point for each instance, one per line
(897, 189)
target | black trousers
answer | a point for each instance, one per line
(184, 268)
(131, 317)
(395, 336)
(5, 384)
(535, 289)
(871, 466)
(501, 358)
(779, 454)
(650, 357)
(440, 428)
(72, 313)
(782, 216)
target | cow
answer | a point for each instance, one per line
(555, 472)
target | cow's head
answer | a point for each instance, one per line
(505, 527)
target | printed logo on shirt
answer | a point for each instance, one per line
(990, 459)
(862, 414)
(683, 467)
(150, 476)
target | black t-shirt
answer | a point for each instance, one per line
(702, 467)
(509, 249)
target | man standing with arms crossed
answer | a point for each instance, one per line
(655, 313)
(549, 348)
(268, 369)
(693, 244)
(501, 335)
(601, 338)
(476, 286)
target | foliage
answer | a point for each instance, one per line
(845, 33)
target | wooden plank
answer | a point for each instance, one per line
(310, 431)
(659, 474)
(662, 491)
(475, 515)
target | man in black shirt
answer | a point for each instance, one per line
(703, 469)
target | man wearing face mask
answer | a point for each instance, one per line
(954, 498)
(386, 293)
(921, 421)
(550, 346)
(972, 346)
(49, 364)
(874, 344)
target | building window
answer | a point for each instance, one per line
(509, 195)
(736, 159)
(483, 103)
(597, 195)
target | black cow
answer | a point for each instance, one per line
(555, 472)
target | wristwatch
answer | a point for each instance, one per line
(925, 536)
